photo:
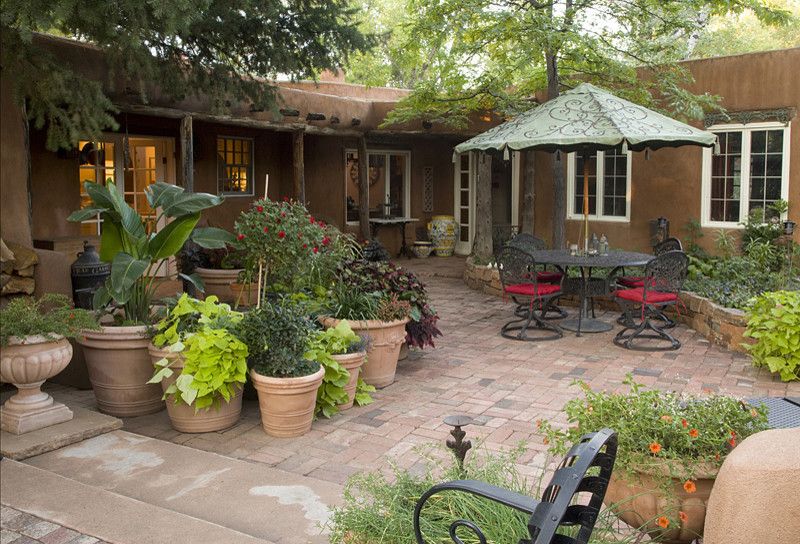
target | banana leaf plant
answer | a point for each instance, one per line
(138, 256)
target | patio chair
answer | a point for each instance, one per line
(520, 282)
(530, 243)
(663, 280)
(569, 506)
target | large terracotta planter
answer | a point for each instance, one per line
(218, 282)
(386, 337)
(352, 362)
(245, 294)
(183, 417)
(643, 502)
(287, 404)
(119, 368)
(27, 363)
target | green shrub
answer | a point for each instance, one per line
(50, 316)
(730, 282)
(773, 320)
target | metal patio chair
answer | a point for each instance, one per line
(570, 504)
(663, 280)
(520, 282)
(530, 243)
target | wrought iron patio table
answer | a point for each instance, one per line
(588, 288)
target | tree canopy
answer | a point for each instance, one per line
(223, 50)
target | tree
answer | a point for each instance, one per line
(219, 49)
(503, 54)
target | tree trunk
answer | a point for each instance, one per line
(482, 245)
(298, 166)
(187, 154)
(528, 192)
(559, 183)
(363, 189)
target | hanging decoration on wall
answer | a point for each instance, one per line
(427, 189)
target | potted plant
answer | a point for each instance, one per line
(33, 348)
(200, 364)
(219, 268)
(276, 335)
(671, 447)
(116, 355)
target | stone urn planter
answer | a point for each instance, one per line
(218, 282)
(386, 338)
(244, 294)
(27, 363)
(643, 502)
(353, 363)
(184, 417)
(119, 368)
(287, 404)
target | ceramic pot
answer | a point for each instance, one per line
(352, 362)
(422, 250)
(183, 416)
(27, 363)
(119, 368)
(643, 502)
(442, 232)
(386, 337)
(218, 282)
(244, 294)
(287, 404)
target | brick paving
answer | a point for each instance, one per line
(503, 384)
(18, 527)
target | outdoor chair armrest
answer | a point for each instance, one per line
(505, 497)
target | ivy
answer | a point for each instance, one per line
(774, 322)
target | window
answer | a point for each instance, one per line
(96, 164)
(609, 185)
(234, 166)
(751, 171)
(389, 178)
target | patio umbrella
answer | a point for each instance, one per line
(588, 119)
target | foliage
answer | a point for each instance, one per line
(138, 255)
(725, 243)
(225, 51)
(214, 360)
(730, 282)
(391, 308)
(694, 231)
(773, 320)
(277, 337)
(50, 316)
(658, 428)
(350, 302)
(762, 226)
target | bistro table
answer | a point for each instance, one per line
(588, 286)
(378, 222)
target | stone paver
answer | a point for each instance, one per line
(505, 385)
(18, 527)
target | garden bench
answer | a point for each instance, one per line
(571, 500)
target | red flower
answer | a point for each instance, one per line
(260, 208)
(321, 224)
(684, 423)
(266, 229)
(286, 199)
(694, 433)
(326, 241)
(240, 237)
(311, 219)
(305, 246)
(283, 214)
(663, 522)
(281, 234)
(732, 442)
(316, 249)
(72, 315)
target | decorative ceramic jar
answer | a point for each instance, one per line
(422, 250)
(442, 232)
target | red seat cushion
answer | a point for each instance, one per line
(631, 281)
(527, 289)
(653, 297)
(547, 276)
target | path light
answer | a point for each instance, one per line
(457, 444)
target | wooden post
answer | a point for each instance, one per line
(187, 153)
(363, 189)
(298, 166)
(528, 190)
(482, 245)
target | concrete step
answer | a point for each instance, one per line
(250, 498)
(103, 514)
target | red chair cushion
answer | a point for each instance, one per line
(527, 289)
(631, 281)
(548, 276)
(653, 297)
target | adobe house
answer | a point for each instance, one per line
(310, 149)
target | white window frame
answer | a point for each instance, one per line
(571, 181)
(250, 182)
(744, 192)
(406, 179)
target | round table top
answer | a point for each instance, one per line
(614, 259)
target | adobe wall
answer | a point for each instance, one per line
(15, 224)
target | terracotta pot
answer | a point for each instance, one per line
(352, 362)
(287, 404)
(245, 294)
(643, 502)
(119, 368)
(183, 417)
(27, 363)
(403, 352)
(218, 282)
(382, 355)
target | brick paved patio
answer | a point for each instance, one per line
(22, 528)
(505, 385)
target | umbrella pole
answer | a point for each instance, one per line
(585, 202)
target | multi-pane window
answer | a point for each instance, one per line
(609, 184)
(750, 172)
(389, 177)
(96, 164)
(234, 166)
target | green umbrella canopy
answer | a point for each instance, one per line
(588, 118)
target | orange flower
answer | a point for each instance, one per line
(666, 418)
(694, 433)
(683, 516)
(689, 486)
(655, 447)
(545, 441)
(717, 457)
(753, 412)
(733, 434)
(538, 423)
(732, 442)
(663, 521)
(684, 423)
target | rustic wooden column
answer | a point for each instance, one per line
(528, 192)
(298, 166)
(187, 153)
(363, 189)
(482, 245)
